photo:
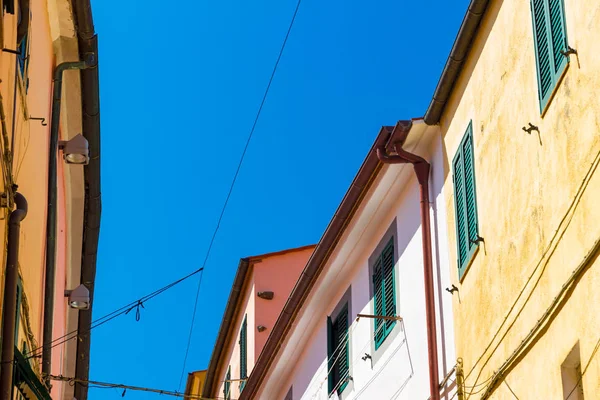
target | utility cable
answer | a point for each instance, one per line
(552, 245)
(106, 385)
(512, 391)
(106, 318)
(235, 176)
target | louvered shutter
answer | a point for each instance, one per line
(227, 385)
(343, 361)
(389, 293)
(330, 358)
(550, 37)
(542, 45)
(243, 353)
(460, 209)
(378, 301)
(467, 149)
(465, 201)
(558, 34)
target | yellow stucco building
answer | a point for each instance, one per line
(195, 384)
(519, 112)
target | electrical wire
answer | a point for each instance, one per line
(37, 352)
(106, 385)
(343, 342)
(552, 245)
(235, 176)
(509, 388)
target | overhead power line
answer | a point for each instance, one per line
(235, 176)
(106, 385)
(108, 317)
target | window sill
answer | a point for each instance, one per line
(470, 259)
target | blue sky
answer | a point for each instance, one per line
(180, 86)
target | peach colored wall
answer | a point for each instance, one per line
(30, 171)
(278, 274)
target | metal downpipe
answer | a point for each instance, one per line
(422, 168)
(10, 296)
(50, 275)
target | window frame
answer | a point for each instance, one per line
(556, 73)
(472, 247)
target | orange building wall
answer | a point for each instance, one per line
(278, 274)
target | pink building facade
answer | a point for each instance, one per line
(329, 342)
(260, 290)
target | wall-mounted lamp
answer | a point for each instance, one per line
(261, 328)
(76, 150)
(79, 298)
(267, 295)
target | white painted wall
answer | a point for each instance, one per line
(401, 371)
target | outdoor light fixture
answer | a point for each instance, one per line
(76, 150)
(79, 298)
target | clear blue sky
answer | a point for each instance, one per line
(180, 85)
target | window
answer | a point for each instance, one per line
(465, 202)
(243, 353)
(338, 356)
(227, 385)
(572, 378)
(9, 6)
(550, 37)
(384, 293)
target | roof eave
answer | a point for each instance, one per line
(456, 60)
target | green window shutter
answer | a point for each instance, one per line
(558, 33)
(467, 149)
(460, 209)
(389, 292)
(244, 353)
(550, 38)
(227, 385)
(343, 361)
(465, 200)
(378, 301)
(338, 351)
(384, 284)
(330, 358)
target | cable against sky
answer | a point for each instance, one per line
(235, 176)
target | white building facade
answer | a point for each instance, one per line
(334, 347)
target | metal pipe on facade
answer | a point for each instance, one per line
(50, 277)
(422, 168)
(11, 278)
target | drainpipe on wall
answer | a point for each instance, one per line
(10, 296)
(50, 277)
(422, 168)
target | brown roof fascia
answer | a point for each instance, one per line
(228, 318)
(281, 252)
(456, 60)
(336, 228)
